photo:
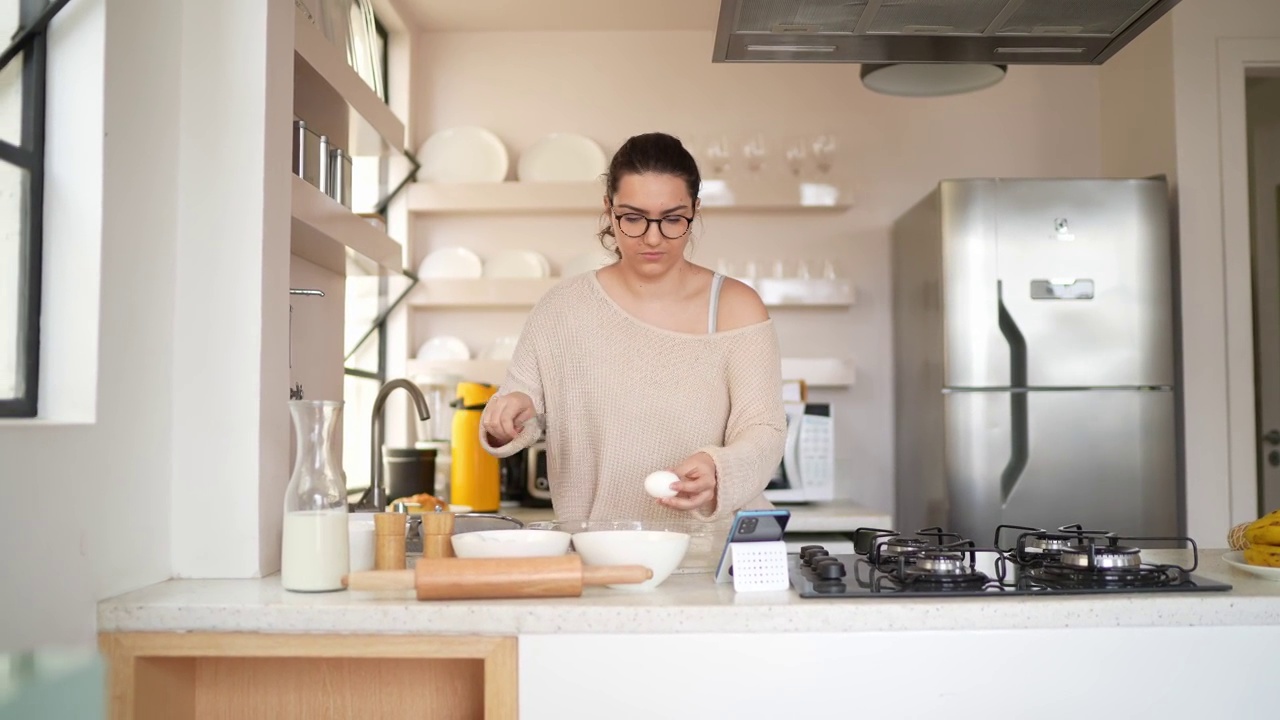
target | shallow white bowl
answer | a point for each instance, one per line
(658, 550)
(1236, 560)
(510, 543)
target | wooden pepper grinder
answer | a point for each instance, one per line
(389, 528)
(437, 535)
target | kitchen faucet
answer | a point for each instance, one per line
(377, 495)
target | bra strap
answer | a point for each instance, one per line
(713, 309)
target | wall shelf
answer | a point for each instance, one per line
(311, 47)
(816, 372)
(525, 292)
(588, 197)
(324, 230)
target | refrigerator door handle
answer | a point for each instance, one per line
(1018, 441)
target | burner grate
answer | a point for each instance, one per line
(1068, 559)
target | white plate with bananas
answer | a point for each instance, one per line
(1235, 559)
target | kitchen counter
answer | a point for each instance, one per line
(191, 649)
(684, 603)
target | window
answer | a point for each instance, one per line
(22, 85)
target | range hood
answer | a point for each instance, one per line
(1005, 32)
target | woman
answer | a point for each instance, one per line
(650, 363)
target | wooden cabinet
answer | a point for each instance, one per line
(197, 676)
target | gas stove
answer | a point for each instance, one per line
(1020, 561)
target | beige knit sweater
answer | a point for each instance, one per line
(623, 398)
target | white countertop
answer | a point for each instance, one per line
(829, 517)
(685, 603)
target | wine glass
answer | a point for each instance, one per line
(824, 150)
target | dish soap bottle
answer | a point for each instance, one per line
(314, 552)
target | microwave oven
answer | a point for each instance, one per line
(807, 471)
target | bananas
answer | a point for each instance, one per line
(1262, 555)
(1265, 530)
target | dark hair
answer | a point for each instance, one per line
(657, 153)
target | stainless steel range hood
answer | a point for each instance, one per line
(1009, 32)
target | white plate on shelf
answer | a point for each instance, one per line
(516, 264)
(463, 155)
(562, 157)
(451, 262)
(444, 347)
(588, 262)
(504, 348)
(1235, 559)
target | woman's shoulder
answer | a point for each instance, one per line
(568, 296)
(740, 306)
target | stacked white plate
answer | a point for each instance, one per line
(588, 262)
(444, 347)
(463, 155)
(517, 264)
(451, 262)
(562, 157)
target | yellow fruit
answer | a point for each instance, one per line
(1235, 538)
(1263, 555)
(1265, 530)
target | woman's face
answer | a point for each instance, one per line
(662, 199)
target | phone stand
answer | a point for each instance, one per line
(759, 566)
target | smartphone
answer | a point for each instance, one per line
(751, 526)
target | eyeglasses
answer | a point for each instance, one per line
(672, 227)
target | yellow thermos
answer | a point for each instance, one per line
(476, 480)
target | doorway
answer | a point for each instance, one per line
(1262, 110)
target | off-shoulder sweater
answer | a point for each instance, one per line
(620, 398)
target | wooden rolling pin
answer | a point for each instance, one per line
(480, 578)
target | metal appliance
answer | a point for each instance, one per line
(807, 470)
(1069, 560)
(1035, 354)
(1021, 32)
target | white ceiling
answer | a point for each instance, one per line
(571, 15)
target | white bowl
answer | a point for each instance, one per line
(658, 550)
(510, 543)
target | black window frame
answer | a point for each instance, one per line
(29, 43)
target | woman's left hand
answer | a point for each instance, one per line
(697, 484)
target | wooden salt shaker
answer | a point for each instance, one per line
(437, 535)
(389, 527)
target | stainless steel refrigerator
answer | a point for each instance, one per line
(1036, 357)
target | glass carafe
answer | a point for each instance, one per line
(314, 554)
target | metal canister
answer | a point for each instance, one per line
(324, 181)
(306, 152)
(340, 176)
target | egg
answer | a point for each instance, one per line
(658, 484)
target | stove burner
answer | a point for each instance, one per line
(937, 562)
(941, 566)
(1095, 557)
(1049, 543)
(905, 546)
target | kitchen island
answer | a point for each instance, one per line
(691, 648)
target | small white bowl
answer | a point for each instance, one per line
(510, 543)
(658, 550)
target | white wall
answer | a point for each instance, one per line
(231, 338)
(892, 151)
(166, 304)
(86, 505)
(1217, 317)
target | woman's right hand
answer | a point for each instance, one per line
(504, 417)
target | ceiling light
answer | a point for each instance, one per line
(930, 79)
